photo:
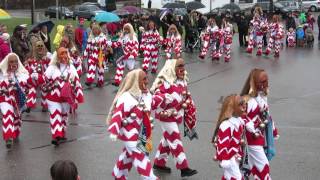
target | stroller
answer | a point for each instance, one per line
(193, 40)
(309, 37)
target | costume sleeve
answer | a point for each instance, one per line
(223, 142)
(78, 90)
(87, 50)
(117, 116)
(143, 41)
(178, 46)
(158, 100)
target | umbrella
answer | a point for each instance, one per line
(232, 7)
(49, 25)
(106, 17)
(132, 9)
(195, 5)
(4, 14)
(121, 12)
(174, 5)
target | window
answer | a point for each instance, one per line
(245, 1)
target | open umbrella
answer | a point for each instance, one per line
(174, 5)
(232, 7)
(49, 25)
(195, 5)
(106, 17)
(121, 12)
(4, 14)
(133, 9)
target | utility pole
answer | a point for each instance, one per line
(32, 11)
(57, 10)
(271, 7)
(210, 5)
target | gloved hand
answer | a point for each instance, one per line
(113, 137)
(34, 76)
(225, 164)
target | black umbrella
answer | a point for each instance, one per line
(232, 7)
(195, 5)
(174, 5)
(49, 25)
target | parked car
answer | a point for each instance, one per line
(312, 5)
(288, 6)
(63, 12)
(86, 11)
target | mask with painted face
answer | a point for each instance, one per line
(63, 55)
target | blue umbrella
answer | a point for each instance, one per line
(106, 17)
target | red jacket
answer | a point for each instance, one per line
(4, 49)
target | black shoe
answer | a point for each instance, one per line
(28, 110)
(9, 143)
(162, 169)
(115, 84)
(44, 109)
(55, 142)
(87, 84)
(188, 172)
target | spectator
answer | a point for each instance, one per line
(64, 170)
(291, 23)
(45, 37)
(243, 26)
(80, 35)
(3, 29)
(149, 4)
(4, 45)
(34, 36)
(58, 36)
(19, 43)
(155, 19)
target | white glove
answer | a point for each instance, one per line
(225, 164)
(113, 137)
(277, 137)
(34, 76)
(109, 43)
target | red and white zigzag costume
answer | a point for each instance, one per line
(276, 34)
(258, 162)
(37, 69)
(227, 39)
(77, 61)
(94, 46)
(173, 46)
(211, 37)
(258, 28)
(130, 112)
(291, 38)
(149, 46)
(130, 48)
(56, 76)
(11, 115)
(228, 147)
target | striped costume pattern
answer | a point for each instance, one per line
(228, 147)
(130, 49)
(127, 118)
(258, 162)
(11, 117)
(276, 34)
(169, 99)
(95, 45)
(173, 46)
(38, 67)
(58, 108)
(211, 38)
(149, 46)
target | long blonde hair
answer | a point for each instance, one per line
(249, 87)
(172, 26)
(132, 34)
(227, 110)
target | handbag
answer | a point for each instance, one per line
(67, 93)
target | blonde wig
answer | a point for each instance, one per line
(249, 87)
(5, 62)
(129, 84)
(168, 74)
(132, 34)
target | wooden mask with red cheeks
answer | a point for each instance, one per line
(62, 55)
(261, 81)
(143, 82)
(12, 63)
(180, 70)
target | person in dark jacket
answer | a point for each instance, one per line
(19, 43)
(243, 26)
(45, 37)
(291, 23)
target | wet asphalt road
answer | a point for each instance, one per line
(294, 101)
